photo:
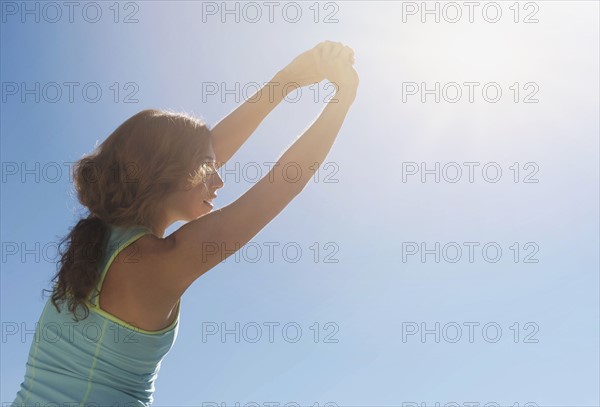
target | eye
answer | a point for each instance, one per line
(200, 174)
(209, 168)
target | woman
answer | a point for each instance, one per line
(157, 168)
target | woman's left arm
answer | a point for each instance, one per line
(234, 129)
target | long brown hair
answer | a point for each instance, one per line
(124, 182)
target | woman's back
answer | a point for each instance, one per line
(100, 359)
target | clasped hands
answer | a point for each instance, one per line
(327, 60)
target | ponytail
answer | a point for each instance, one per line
(78, 268)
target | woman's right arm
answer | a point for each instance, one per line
(201, 244)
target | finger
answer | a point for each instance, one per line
(319, 52)
(319, 48)
(316, 61)
(339, 66)
(351, 55)
(335, 48)
(344, 54)
(322, 44)
(338, 47)
(327, 49)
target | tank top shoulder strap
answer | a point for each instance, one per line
(119, 238)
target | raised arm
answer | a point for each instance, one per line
(201, 244)
(234, 129)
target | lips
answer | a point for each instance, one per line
(208, 201)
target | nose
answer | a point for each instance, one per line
(216, 181)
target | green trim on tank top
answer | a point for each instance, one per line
(96, 307)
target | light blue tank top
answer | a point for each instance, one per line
(100, 360)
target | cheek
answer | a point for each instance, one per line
(196, 197)
(199, 192)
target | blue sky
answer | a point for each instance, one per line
(367, 211)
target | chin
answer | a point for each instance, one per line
(204, 212)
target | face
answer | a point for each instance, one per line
(194, 202)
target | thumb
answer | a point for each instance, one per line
(347, 54)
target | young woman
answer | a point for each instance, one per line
(156, 168)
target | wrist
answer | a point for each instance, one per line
(283, 84)
(275, 89)
(345, 93)
(281, 76)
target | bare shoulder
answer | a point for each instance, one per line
(147, 250)
(134, 287)
(146, 264)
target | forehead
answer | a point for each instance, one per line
(211, 152)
